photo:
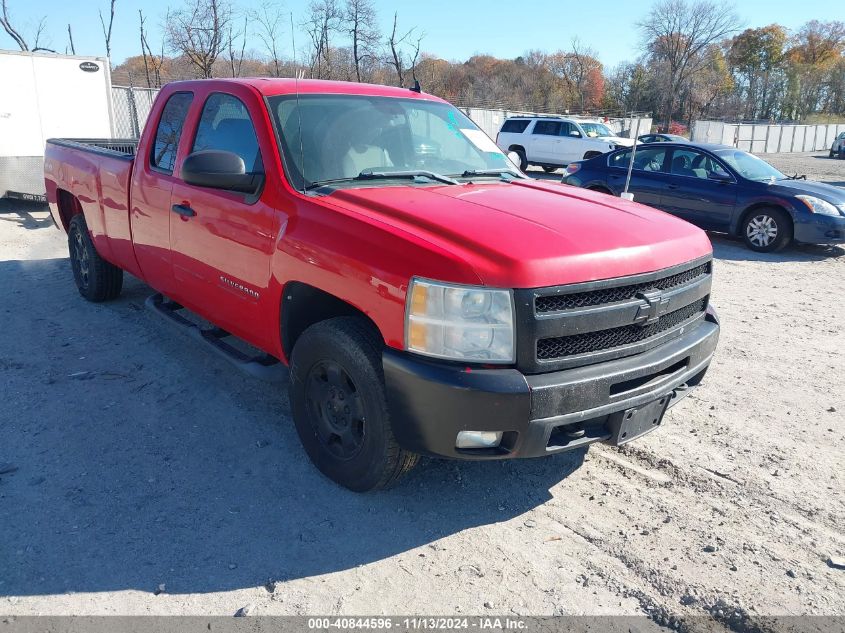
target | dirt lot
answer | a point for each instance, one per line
(144, 462)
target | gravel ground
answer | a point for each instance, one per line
(146, 477)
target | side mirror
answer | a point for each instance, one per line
(514, 158)
(575, 133)
(217, 169)
(719, 176)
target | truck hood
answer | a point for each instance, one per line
(528, 234)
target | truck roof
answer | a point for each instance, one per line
(281, 86)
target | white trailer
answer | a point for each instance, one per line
(43, 95)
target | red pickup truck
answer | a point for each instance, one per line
(427, 297)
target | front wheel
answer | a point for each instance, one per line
(767, 230)
(339, 405)
(96, 279)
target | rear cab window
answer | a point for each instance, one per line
(515, 126)
(169, 131)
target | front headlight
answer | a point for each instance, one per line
(465, 323)
(817, 205)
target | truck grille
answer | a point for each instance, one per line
(604, 339)
(553, 303)
(581, 324)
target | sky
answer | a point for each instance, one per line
(454, 29)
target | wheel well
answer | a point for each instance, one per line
(516, 148)
(68, 207)
(304, 305)
(754, 207)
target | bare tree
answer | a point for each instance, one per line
(5, 20)
(236, 59)
(395, 43)
(323, 21)
(269, 20)
(107, 31)
(144, 48)
(678, 33)
(70, 39)
(359, 17)
(198, 30)
(6, 23)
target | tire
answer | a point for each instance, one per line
(766, 230)
(523, 161)
(339, 405)
(549, 169)
(96, 279)
(832, 154)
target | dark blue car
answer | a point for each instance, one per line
(721, 188)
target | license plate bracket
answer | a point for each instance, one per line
(635, 422)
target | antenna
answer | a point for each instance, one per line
(298, 109)
(416, 86)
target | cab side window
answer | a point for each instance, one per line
(547, 128)
(647, 159)
(169, 131)
(225, 125)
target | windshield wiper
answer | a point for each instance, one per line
(407, 175)
(797, 177)
(385, 175)
(504, 174)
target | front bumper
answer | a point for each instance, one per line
(430, 401)
(820, 229)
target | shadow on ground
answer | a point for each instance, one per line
(20, 212)
(142, 459)
(734, 249)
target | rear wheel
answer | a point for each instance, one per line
(767, 230)
(340, 408)
(96, 279)
(549, 169)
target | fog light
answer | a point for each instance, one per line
(478, 439)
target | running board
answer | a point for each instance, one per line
(263, 366)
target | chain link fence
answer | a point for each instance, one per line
(130, 109)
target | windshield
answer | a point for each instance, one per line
(749, 166)
(596, 129)
(342, 136)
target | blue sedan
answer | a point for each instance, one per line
(721, 188)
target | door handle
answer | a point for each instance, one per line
(184, 210)
(673, 186)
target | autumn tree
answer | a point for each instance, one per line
(757, 58)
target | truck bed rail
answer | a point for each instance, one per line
(115, 147)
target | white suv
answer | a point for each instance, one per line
(553, 142)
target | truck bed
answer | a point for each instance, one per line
(122, 147)
(96, 173)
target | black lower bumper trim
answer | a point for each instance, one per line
(431, 402)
